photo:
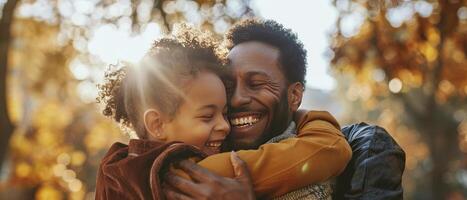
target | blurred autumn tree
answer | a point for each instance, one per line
(405, 68)
(5, 37)
(50, 126)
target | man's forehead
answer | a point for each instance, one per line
(253, 51)
(252, 57)
(250, 72)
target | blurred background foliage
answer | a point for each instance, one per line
(404, 68)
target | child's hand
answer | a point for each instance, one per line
(299, 115)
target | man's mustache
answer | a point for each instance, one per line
(238, 110)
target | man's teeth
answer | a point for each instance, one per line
(214, 144)
(242, 121)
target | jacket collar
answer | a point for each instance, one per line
(140, 146)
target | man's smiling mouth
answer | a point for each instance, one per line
(244, 120)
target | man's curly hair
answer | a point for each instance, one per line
(158, 81)
(292, 53)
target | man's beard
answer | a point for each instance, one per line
(281, 118)
(280, 121)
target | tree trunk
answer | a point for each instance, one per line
(6, 125)
(439, 167)
(441, 136)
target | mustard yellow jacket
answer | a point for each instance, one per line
(318, 153)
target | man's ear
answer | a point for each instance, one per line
(154, 124)
(295, 95)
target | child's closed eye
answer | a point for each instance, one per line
(206, 118)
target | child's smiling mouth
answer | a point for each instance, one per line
(213, 146)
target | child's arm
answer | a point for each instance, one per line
(318, 153)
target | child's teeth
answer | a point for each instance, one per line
(213, 144)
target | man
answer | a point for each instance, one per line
(268, 66)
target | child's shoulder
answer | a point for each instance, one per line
(116, 151)
(309, 116)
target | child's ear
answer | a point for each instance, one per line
(295, 95)
(153, 123)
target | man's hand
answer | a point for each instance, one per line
(208, 185)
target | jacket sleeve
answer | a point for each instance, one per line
(376, 168)
(318, 153)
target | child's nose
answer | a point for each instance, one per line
(223, 126)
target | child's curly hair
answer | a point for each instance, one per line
(158, 81)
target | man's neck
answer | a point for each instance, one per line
(287, 133)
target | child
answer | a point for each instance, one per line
(176, 103)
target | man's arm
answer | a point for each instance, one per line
(209, 185)
(377, 159)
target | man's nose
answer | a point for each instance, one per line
(240, 97)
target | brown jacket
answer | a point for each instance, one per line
(318, 153)
(132, 171)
